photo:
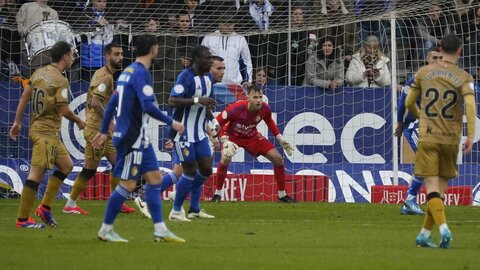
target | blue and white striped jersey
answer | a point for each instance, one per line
(189, 85)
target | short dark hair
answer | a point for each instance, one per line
(450, 43)
(217, 58)
(144, 43)
(182, 12)
(197, 51)
(59, 49)
(108, 48)
(254, 88)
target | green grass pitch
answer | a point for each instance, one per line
(244, 236)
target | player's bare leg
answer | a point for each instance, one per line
(64, 167)
(221, 175)
(88, 171)
(279, 173)
(29, 192)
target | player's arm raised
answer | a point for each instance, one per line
(22, 104)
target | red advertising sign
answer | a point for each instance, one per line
(241, 187)
(457, 195)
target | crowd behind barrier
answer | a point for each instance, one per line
(351, 54)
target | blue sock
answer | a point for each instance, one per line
(152, 197)
(184, 185)
(196, 192)
(168, 180)
(415, 186)
(114, 204)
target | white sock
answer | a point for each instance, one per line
(219, 192)
(282, 193)
(106, 227)
(71, 203)
(160, 227)
(426, 232)
(411, 197)
(442, 227)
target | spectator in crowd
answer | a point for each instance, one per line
(101, 33)
(151, 26)
(173, 56)
(367, 8)
(195, 11)
(344, 34)
(369, 67)
(471, 38)
(32, 13)
(432, 28)
(10, 40)
(333, 6)
(231, 47)
(324, 68)
(28, 15)
(260, 77)
(278, 51)
(261, 10)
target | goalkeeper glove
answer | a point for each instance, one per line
(229, 148)
(285, 145)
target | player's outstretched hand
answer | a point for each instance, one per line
(98, 140)
(169, 144)
(285, 145)
(178, 127)
(229, 148)
(15, 130)
(207, 102)
(467, 146)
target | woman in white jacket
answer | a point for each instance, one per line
(369, 67)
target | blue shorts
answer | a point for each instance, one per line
(176, 159)
(131, 163)
(191, 151)
(411, 134)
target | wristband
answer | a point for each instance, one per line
(195, 100)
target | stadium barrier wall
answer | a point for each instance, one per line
(344, 135)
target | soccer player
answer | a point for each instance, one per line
(217, 70)
(443, 88)
(191, 97)
(135, 102)
(408, 125)
(48, 91)
(239, 123)
(99, 93)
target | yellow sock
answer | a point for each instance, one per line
(53, 186)
(79, 186)
(26, 201)
(428, 222)
(114, 181)
(437, 209)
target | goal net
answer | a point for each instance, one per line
(308, 57)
